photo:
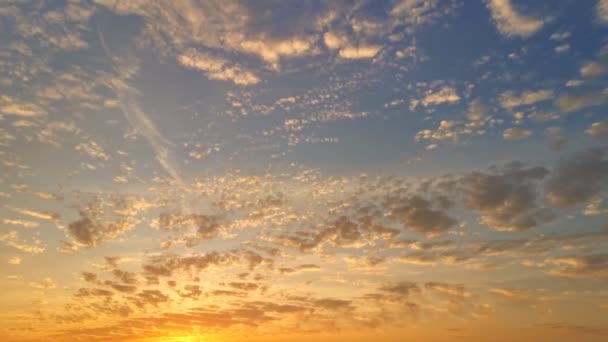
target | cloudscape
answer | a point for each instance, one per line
(297, 170)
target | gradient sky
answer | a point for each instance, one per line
(407, 170)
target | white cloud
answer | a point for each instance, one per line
(359, 52)
(509, 100)
(562, 48)
(509, 22)
(446, 94)
(516, 133)
(216, 68)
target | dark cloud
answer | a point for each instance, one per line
(124, 276)
(120, 287)
(333, 304)
(149, 297)
(417, 214)
(341, 232)
(244, 286)
(578, 179)
(583, 266)
(403, 288)
(191, 291)
(89, 233)
(507, 198)
(89, 277)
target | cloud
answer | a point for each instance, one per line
(137, 118)
(510, 294)
(37, 214)
(45, 284)
(11, 238)
(403, 288)
(511, 23)
(208, 226)
(575, 102)
(341, 232)
(507, 198)
(359, 52)
(516, 133)
(457, 290)
(15, 107)
(243, 286)
(602, 11)
(417, 214)
(446, 94)
(15, 260)
(92, 149)
(23, 223)
(510, 100)
(475, 124)
(562, 48)
(597, 68)
(598, 129)
(216, 68)
(578, 179)
(90, 232)
(585, 266)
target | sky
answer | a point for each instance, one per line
(345, 170)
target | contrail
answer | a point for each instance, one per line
(138, 119)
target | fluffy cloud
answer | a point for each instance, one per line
(507, 198)
(446, 94)
(417, 214)
(577, 180)
(516, 133)
(216, 68)
(598, 129)
(593, 266)
(510, 100)
(90, 232)
(511, 23)
(15, 107)
(475, 124)
(597, 68)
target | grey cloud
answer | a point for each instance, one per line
(575, 102)
(417, 214)
(89, 233)
(507, 199)
(578, 179)
(585, 266)
(402, 288)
